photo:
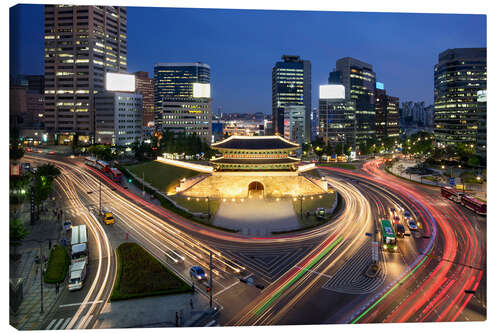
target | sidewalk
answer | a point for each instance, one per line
(476, 190)
(28, 316)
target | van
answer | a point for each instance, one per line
(79, 252)
(77, 275)
(78, 234)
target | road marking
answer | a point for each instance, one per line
(228, 287)
(63, 326)
(77, 304)
(51, 323)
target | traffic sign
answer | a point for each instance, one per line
(452, 181)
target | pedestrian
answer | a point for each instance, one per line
(191, 303)
(176, 319)
(181, 319)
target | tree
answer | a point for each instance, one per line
(16, 151)
(473, 161)
(17, 232)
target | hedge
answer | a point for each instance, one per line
(140, 275)
(57, 267)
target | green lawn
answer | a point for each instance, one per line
(198, 206)
(58, 264)
(161, 176)
(326, 201)
(348, 166)
(141, 275)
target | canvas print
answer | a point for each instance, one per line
(175, 167)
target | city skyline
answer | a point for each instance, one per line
(395, 55)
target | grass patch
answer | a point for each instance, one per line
(198, 206)
(57, 267)
(326, 201)
(141, 275)
(162, 176)
(348, 166)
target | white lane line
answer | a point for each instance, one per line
(50, 324)
(77, 304)
(309, 270)
(228, 287)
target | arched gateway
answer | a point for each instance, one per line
(255, 190)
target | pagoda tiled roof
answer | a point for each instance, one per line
(255, 143)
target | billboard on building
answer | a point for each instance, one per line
(379, 85)
(120, 82)
(332, 91)
(201, 90)
(481, 96)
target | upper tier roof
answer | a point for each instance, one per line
(255, 143)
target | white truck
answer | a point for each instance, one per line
(79, 248)
(77, 275)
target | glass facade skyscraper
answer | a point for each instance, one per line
(358, 79)
(458, 77)
(182, 98)
(291, 84)
(387, 115)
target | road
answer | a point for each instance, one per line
(316, 276)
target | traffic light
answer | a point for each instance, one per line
(130, 180)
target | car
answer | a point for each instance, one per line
(29, 149)
(107, 217)
(400, 230)
(197, 273)
(67, 225)
(396, 219)
(51, 152)
(412, 225)
(407, 214)
(393, 210)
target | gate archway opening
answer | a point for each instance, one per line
(256, 190)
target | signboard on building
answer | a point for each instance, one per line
(481, 96)
(201, 90)
(331, 91)
(120, 82)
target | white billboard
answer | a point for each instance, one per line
(201, 90)
(120, 82)
(331, 91)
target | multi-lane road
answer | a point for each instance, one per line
(317, 276)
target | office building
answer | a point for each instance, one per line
(386, 115)
(337, 117)
(358, 79)
(188, 115)
(176, 79)
(458, 76)
(294, 123)
(291, 84)
(118, 118)
(144, 85)
(81, 43)
(481, 126)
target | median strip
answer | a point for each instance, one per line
(280, 291)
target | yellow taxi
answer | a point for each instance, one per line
(108, 218)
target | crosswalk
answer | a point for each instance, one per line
(61, 323)
(58, 324)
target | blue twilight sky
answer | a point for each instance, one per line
(241, 46)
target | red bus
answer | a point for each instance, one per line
(474, 204)
(115, 174)
(451, 193)
(90, 161)
(103, 166)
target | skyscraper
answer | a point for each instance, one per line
(182, 98)
(386, 115)
(81, 44)
(294, 123)
(144, 85)
(291, 84)
(337, 117)
(458, 77)
(358, 79)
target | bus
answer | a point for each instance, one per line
(90, 161)
(474, 204)
(388, 236)
(115, 174)
(103, 166)
(450, 193)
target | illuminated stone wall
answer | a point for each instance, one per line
(235, 185)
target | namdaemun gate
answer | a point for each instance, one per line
(251, 167)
